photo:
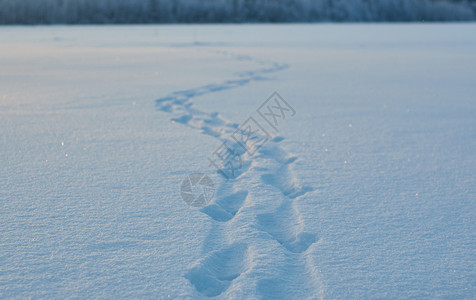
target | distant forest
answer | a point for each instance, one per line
(232, 11)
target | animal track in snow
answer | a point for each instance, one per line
(214, 274)
(225, 208)
(283, 179)
(285, 226)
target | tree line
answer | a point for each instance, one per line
(231, 11)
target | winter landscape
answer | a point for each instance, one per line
(238, 161)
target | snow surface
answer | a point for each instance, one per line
(367, 192)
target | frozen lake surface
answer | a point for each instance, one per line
(367, 190)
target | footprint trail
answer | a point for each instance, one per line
(252, 246)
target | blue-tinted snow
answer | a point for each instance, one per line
(367, 192)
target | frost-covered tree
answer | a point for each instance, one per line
(170, 11)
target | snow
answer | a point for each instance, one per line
(368, 191)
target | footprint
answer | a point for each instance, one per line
(214, 274)
(285, 182)
(285, 227)
(183, 119)
(215, 120)
(165, 107)
(278, 154)
(290, 277)
(209, 131)
(272, 150)
(224, 209)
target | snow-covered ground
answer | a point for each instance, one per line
(367, 191)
